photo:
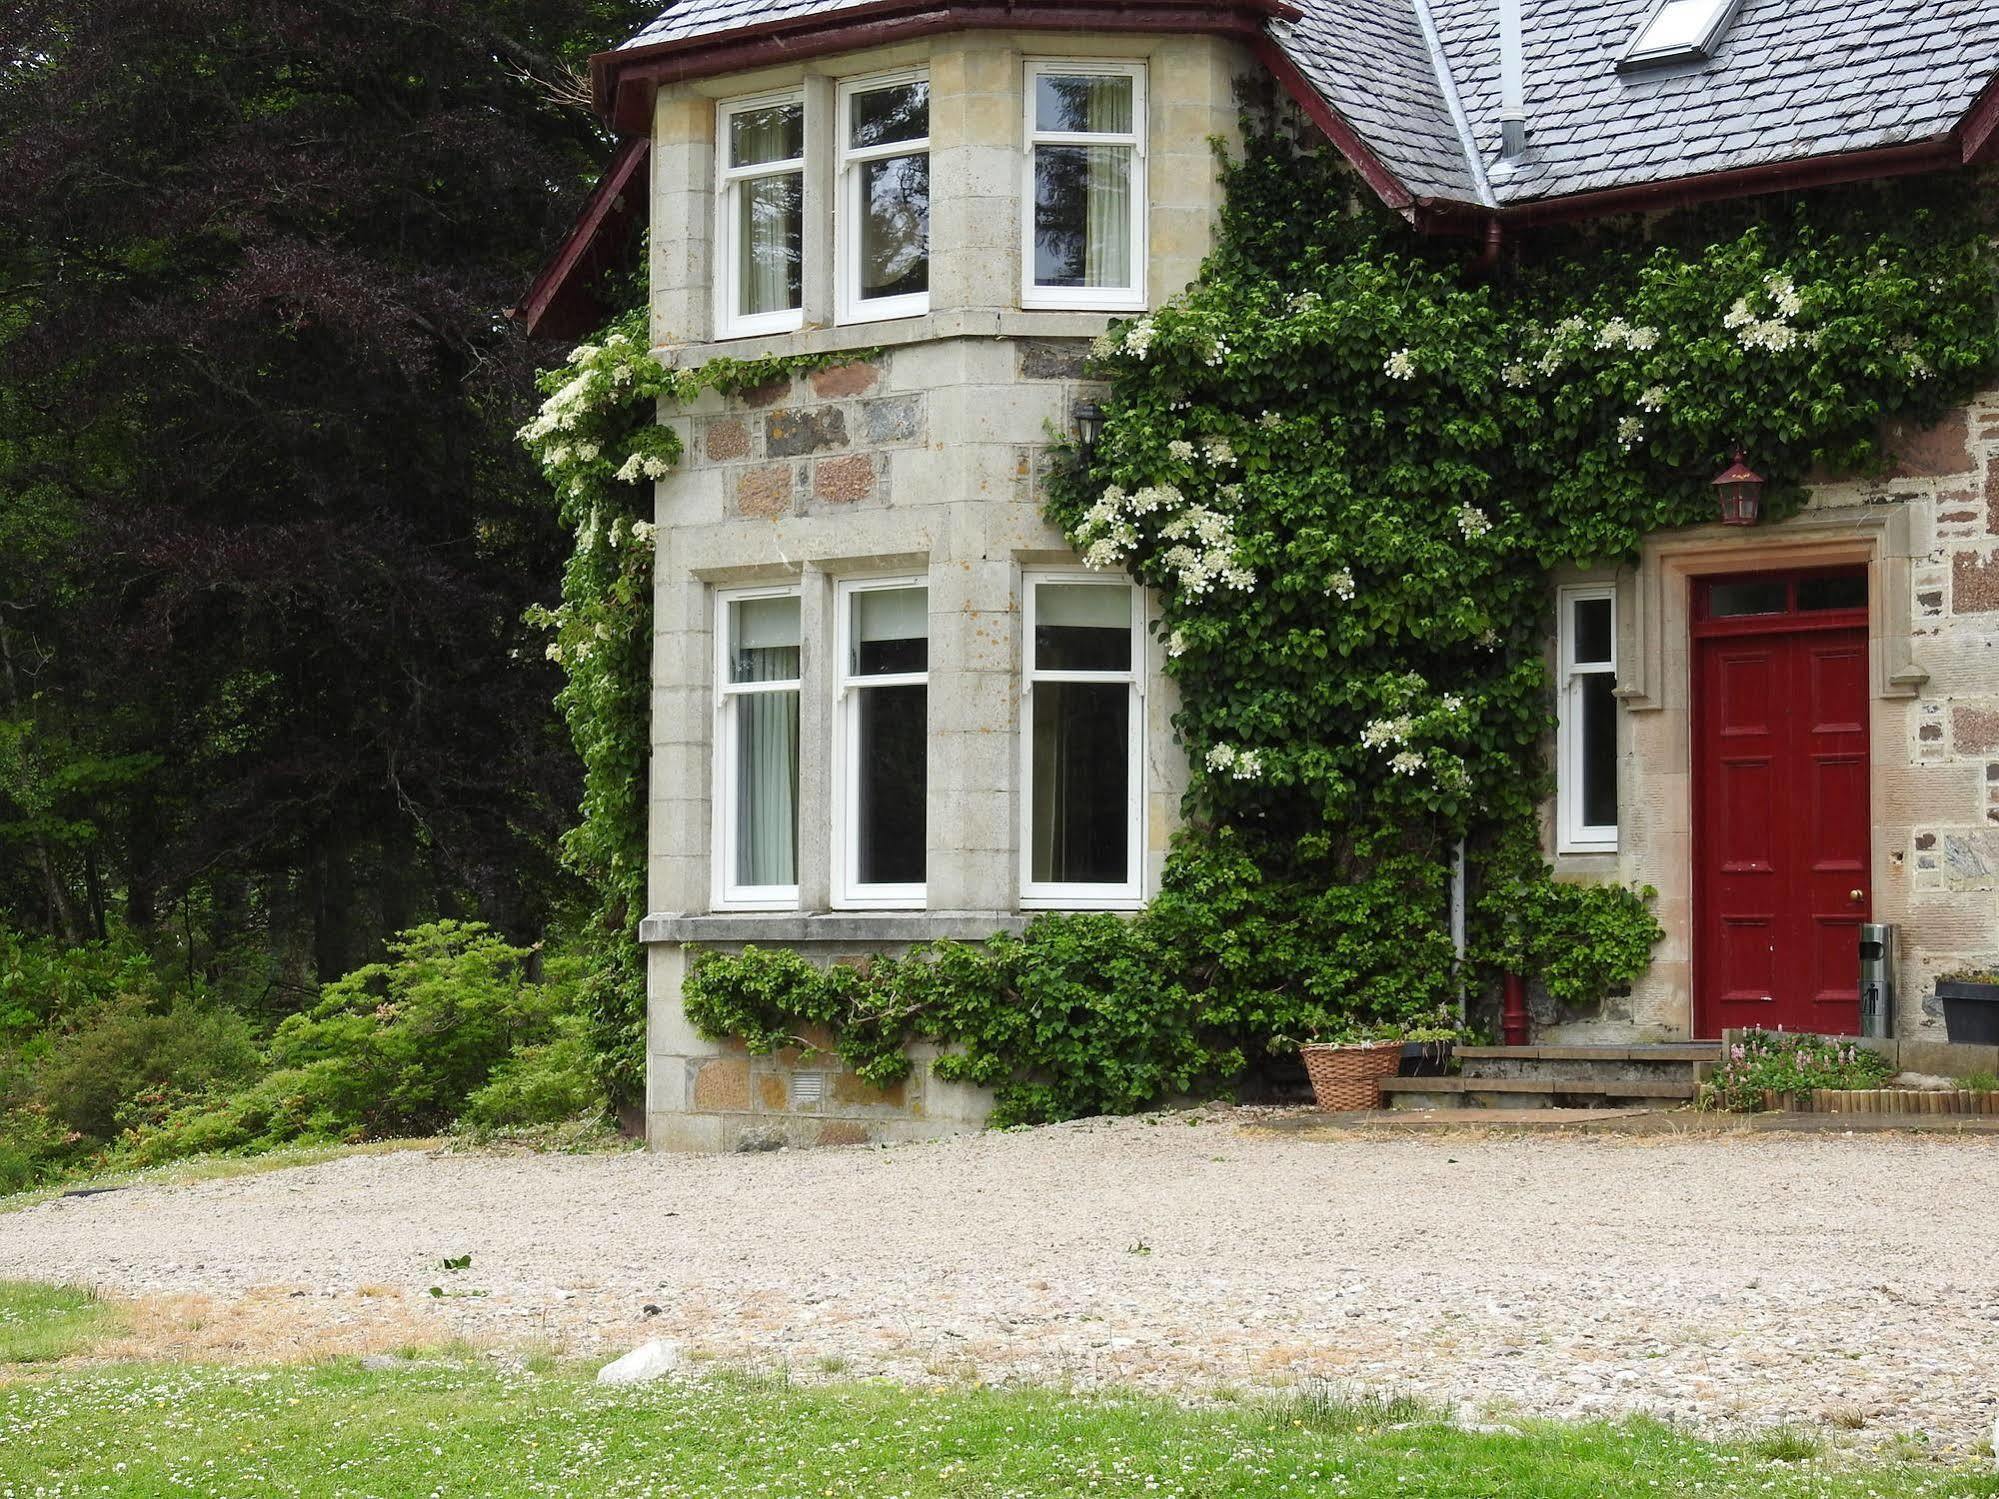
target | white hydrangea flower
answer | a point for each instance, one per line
(1270, 421)
(1917, 366)
(642, 532)
(1784, 292)
(628, 471)
(1103, 346)
(1138, 338)
(1155, 497)
(1219, 452)
(1221, 757)
(1102, 553)
(1240, 578)
(1384, 731)
(1472, 522)
(1630, 430)
(1248, 765)
(656, 467)
(1489, 639)
(1773, 334)
(1568, 328)
(1453, 703)
(1515, 375)
(1399, 366)
(1180, 450)
(1408, 763)
(588, 451)
(1341, 586)
(1176, 644)
(1550, 362)
(554, 652)
(1739, 315)
(1642, 338)
(1653, 398)
(1613, 333)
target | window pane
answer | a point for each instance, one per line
(1098, 103)
(1589, 623)
(889, 784)
(1680, 23)
(1599, 750)
(1082, 216)
(773, 133)
(895, 226)
(1833, 593)
(1732, 600)
(891, 629)
(1081, 815)
(1082, 627)
(880, 116)
(767, 787)
(763, 639)
(770, 235)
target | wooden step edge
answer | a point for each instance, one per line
(1592, 1087)
(1661, 1051)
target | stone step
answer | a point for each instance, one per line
(1601, 1087)
(1661, 1051)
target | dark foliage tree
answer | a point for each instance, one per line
(265, 537)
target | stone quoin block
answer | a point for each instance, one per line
(1974, 583)
(842, 481)
(791, 434)
(764, 492)
(845, 380)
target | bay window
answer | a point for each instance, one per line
(884, 241)
(1083, 198)
(881, 759)
(756, 698)
(1586, 722)
(760, 215)
(1083, 713)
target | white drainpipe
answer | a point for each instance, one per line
(1512, 92)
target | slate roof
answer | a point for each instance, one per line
(1418, 80)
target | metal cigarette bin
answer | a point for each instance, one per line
(1877, 978)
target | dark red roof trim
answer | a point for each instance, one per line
(1980, 130)
(622, 81)
(561, 303)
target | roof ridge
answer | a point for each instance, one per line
(1448, 86)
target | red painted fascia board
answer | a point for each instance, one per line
(1979, 131)
(1771, 177)
(549, 309)
(1346, 140)
(621, 80)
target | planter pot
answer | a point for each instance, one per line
(1349, 1077)
(1970, 1012)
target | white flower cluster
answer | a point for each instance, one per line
(1176, 644)
(646, 465)
(1218, 451)
(616, 360)
(1472, 522)
(1399, 366)
(1653, 398)
(1243, 764)
(1138, 337)
(1629, 430)
(1341, 586)
(1619, 334)
(1516, 375)
(1219, 351)
(1386, 731)
(1270, 421)
(1180, 450)
(1774, 333)
(1205, 538)
(1408, 763)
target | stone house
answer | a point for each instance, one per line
(889, 706)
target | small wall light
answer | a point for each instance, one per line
(1089, 427)
(1740, 489)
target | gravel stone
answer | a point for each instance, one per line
(1720, 1281)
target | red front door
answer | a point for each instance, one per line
(1780, 845)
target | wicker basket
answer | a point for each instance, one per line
(1349, 1077)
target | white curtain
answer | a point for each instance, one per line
(1107, 237)
(764, 635)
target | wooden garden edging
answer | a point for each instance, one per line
(1885, 1101)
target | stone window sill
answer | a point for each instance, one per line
(958, 323)
(835, 926)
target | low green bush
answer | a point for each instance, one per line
(1761, 1062)
(133, 1062)
(547, 1083)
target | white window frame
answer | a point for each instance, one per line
(1069, 896)
(1094, 298)
(848, 891)
(1573, 835)
(851, 306)
(728, 181)
(1702, 45)
(727, 894)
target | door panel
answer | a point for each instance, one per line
(1780, 828)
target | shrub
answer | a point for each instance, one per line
(544, 1084)
(1787, 1062)
(46, 983)
(393, 1048)
(131, 1062)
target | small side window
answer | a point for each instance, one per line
(760, 215)
(885, 198)
(1083, 201)
(756, 745)
(1586, 734)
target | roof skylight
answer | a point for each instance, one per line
(1679, 31)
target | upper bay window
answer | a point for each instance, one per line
(1586, 725)
(882, 775)
(1083, 195)
(756, 700)
(760, 215)
(884, 240)
(1083, 716)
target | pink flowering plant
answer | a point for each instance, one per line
(1760, 1062)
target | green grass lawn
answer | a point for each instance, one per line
(463, 1425)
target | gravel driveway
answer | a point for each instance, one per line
(1838, 1280)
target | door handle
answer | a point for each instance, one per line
(1856, 896)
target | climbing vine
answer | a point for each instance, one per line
(1345, 461)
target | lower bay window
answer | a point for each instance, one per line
(1083, 712)
(881, 772)
(756, 805)
(1586, 731)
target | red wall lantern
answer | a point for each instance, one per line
(1741, 490)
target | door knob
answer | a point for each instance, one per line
(1856, 896)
